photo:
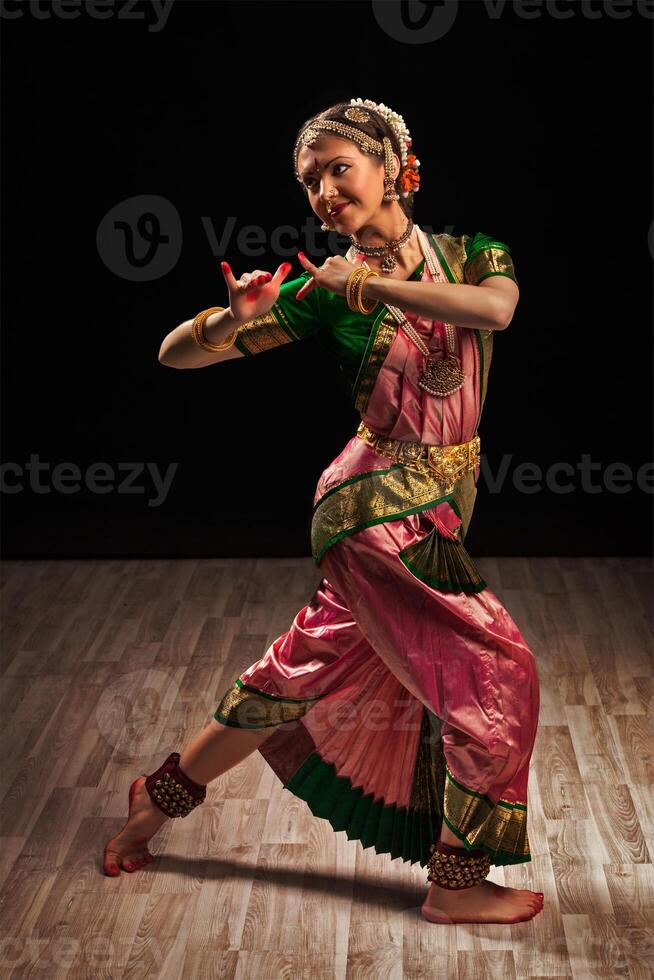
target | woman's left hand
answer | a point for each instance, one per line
(332, 275)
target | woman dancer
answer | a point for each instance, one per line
(402, 703)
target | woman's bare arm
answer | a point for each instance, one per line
(179, 349)
(253, 294)
(488, 306)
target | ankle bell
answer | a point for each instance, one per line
(455, 867)
(172, 790)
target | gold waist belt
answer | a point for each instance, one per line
(445, 463)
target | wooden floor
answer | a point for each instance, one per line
(107, 666)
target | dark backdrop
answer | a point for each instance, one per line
(144, 143)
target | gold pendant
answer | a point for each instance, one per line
(441, 377)
(389, 263)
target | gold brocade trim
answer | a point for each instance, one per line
(246, 707)
(423, 476)
(464, 496)
(501, 826)
(486, 337)
(489, 261)
(383, 338)
(370, 499)
(453, 250)
(265, 331)
(429, 776)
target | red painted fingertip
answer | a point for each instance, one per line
(302, 255)
(225, 267)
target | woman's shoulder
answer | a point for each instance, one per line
(480, 241)
(472, 258)
(469, 245)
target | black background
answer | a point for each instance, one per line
(536, 130)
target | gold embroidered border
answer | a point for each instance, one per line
(465, 495)
(501, 827)
(370, 499)
(246, 707)
(381, 345)
(271, 329)
(489, 261)
(486, 337)
(453, 250)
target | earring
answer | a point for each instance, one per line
(325, 227)
(390, 193)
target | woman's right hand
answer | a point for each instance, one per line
(254, 292)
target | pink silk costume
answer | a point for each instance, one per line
(404, 693)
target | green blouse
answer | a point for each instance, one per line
(347, 334)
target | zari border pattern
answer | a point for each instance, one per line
(371, 498)
(268, 330)
(490, 259)
(244, 706)
(463, 501)
(382, 335)
(484, 340)
(408, 832)
(499, 828)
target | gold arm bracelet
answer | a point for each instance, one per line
(358, 291)
(354, 288)
(351, 289)
(198, 331)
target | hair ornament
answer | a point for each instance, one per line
(357, 112)
(410, 178)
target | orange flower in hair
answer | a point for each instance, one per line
(410, 176)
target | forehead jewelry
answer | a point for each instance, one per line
(356, 111)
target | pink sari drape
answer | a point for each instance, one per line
(377, 650)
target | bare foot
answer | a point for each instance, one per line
(128, 849)
(485, 902)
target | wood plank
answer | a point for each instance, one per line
(110, 665)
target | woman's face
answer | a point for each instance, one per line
(335, 170)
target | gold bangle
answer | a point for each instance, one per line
(197, 331)
(358, 292)
(348, 287)
(354, 288)
(357, 280)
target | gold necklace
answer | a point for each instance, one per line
(388, 249)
